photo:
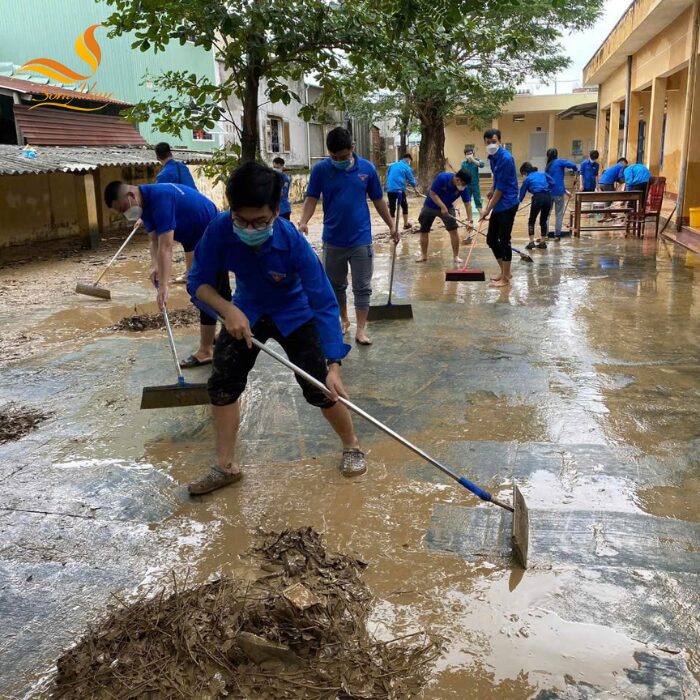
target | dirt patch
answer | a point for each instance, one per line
(148, 322)
(298, 631)
(16, 421)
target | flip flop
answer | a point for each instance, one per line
(363, 342)
(192, 361)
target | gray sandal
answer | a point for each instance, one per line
(353, 462)
(214, 479)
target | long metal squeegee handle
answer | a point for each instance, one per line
(117, 254)
(483, 495)
(173, 349)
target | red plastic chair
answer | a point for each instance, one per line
(652, 208)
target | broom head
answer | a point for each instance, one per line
(93, 291)
(174, 396)
(521, 527)
(390, 312)
(465, 276)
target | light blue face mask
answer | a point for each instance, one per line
(253, 238)
(342, 164)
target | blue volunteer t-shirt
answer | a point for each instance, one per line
(177, 172)
(557, 169)
(177, 208)
(443, 186)
(589, 172)
(636, 175)
(505, 179)
(283, 278)
(346, 219)
(535, 183)
(398, 174)
(285, 206)
(613, 174)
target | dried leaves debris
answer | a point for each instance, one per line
(298, 631)
(147, 322)
(17, 421)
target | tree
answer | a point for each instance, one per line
(469, 58)
(260, 43)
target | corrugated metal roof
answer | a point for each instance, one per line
(46, 126)
(55, 159)
(33, 88)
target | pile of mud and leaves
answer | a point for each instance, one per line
(298, 631)
(17, 421)
(148, 322)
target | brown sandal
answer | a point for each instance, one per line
(214, 479)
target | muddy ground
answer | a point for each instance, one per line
(580, 382)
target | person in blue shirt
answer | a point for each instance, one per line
(177, 172)
(285, 206)
(637, 178)
(589, 172)
(503, 201)
(609, 181)
(345, 181)
(540, 186)
(445, 190)
(472, 165)
(556, 168)
(170, 213)
(398, 175)
(172, 170)
(283, 293)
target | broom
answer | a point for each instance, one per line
(523, 256)
(464, 274)
(174, 395)
(93, 290)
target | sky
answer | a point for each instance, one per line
(580, 47)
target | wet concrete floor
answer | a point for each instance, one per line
(581, 382)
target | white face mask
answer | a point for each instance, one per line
(133, 213)
(461, 188)
(492, 148)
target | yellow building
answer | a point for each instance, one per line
(531, 124)
(646, 72)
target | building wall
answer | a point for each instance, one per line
(37, 208)
(518, 134)
(665, 55)
(49, 28)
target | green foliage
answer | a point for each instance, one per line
(271, 43)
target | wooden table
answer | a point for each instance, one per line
(636, 198)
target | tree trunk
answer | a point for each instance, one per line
(431, 158)
(403, 136)
(250, 139)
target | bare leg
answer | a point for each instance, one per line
(341, 421)
(226, 422)
(405, 220)
(500, 276)
(360, 334)
(505, 276)
(189, 257)
(454, 240)
(344, 320)
(423, 248)
(206, 342)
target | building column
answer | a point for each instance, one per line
(601, 137)
(86, 205)
(614, 135)
(652, 157)
(633, 128)
(552, 131)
